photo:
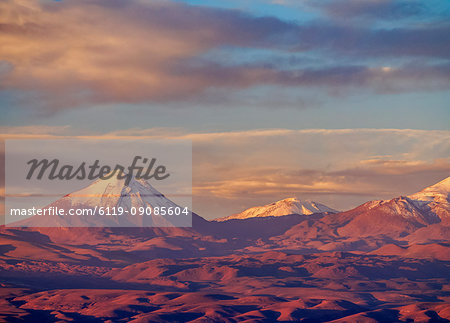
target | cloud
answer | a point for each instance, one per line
(318, 160)
(66, 54)
(123, 50)
(399, 167)
(340, 167)
(33, 130)
(376, 9)
(368, 41)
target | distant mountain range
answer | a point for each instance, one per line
(287, 224)
(287, 261)
(427, 206)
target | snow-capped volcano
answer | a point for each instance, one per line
(401, 215)
(439, 191)
(113, 204)
(114, 193)
(435, 199)
(284, 207)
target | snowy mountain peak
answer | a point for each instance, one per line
(109, 192)
(133, 201)
(434, 199)
(287, 206)
(438, 190)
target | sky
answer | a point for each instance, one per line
(339, 101)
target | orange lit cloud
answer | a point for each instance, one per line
(64, 54)
(342, 167)
(106, 52)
